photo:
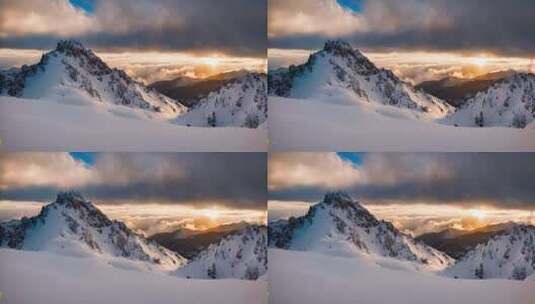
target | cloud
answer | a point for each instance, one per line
(227, 179)
(324, 170)
(302, 16)
(18, 170)
(499, 179)
(235, 27)
(40, 17)
(503, 27)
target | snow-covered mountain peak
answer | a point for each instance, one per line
(508, 255)
(72, 198)
(72, 73)
(341, 226)
(342, 48)
(341, 74)
(509, 102)
(241, 255)
(339, 46)
(73, 226)
(241, 103)
(71, 47)
(338, 198)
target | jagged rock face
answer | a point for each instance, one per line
(242, 255)
(341, 226)
(240, 103)
(74, 71)
(73, 225)
(340, 72)
(510, 255)
(508, 103)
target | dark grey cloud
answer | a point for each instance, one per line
(502, 27)
(235, 27)
(503, 180)
(236, 180)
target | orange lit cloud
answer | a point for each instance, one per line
(311, 169)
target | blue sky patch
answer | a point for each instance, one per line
(355, 158)
(352, 5)
(87, 6)
(88, 158)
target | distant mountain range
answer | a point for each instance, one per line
(73, 74)
(340, 74)
(73, 226)
(189, 243)
(456, 243)
(455, 90)
(188, 90)
(340, 226)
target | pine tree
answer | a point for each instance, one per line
(479, 271)
(212, 271)
(479, 120)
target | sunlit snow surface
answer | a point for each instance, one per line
(319, 125)
(48, 125)
(46, 278)
(310, 277)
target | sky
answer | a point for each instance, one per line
(151, 192)
(419, 192)
(150, 39)
(438, 38)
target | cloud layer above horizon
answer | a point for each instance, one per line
(491, 26)
(502, 180)
(232, 27)
(233, 180)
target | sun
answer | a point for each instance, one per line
(211, 61)
(211, 213)
(480, 61)
(477, 213)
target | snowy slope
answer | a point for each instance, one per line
(242, 255)
(310, 125)
(308, 277)
(73, 226)
(509, 103)
(46, 278)
(34, 125)
(342, 75)
(340, 226)
(71, 73)
(510, 255)
(240, 103)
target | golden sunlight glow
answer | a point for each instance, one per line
(211, 61)
(212, 213)
(480, 61)
(478, 213)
